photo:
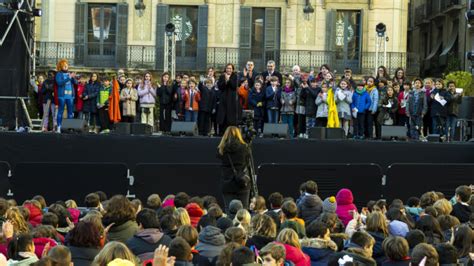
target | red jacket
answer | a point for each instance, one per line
(35, 214)
(296, 256)
(195, 212)
(40, 243)
(75, 213)
(187, 100)
(78, 94)
(402, 96)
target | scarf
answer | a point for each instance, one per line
(360, 91)
(370, 89)
(288, 89)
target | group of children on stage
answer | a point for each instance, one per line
(302, 101)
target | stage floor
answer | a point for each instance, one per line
(62, 166)
(39, 147)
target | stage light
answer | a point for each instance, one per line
(380, 29)
(169, 29)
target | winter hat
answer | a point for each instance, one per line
(344, 197)
(223, 223)
(168, 202)
(330, 205)
(234, 206)
(398, 228)
(195, 212)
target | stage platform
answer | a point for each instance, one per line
(62, 166)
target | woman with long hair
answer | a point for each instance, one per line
(376, 226)
(234, 154)
(382, 73)
(89, 96)
(229, 112)
(114, 250)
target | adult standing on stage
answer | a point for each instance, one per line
(229, 111)
(270, 72)
(235, 156)
(65, 92)
(249, 73)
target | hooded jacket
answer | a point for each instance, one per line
(40, 243)
(144, 243)
(82, 256)
(122, 232)
(361, 100)
(378, 253)
(211, 242)
(357, 255)
(318, 250)
(310, 207)
(35, 214)
(195, 212)
(345, 204)
(24, 262)
(296, 256)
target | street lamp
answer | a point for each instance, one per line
(140, 7)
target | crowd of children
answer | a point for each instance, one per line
(184, 230)
(301, 100)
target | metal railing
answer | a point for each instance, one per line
(144, 57)
(446, 4)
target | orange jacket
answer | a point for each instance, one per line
(243, 97)
(187, 100)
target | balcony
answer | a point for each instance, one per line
(140, 57)
(434, 9)
(451, 6)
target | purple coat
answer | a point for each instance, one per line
(345, 205)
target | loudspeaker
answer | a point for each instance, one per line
(123, 128)
(317, 133)
(141, 129)
(184, 128)
(434, 138)
(335, 133)
(399, 132)
(466, 110)
(74, 126)
(275, 130)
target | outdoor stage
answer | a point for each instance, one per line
(62, 166)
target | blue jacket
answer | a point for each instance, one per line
(255, 98)
(65, 85)
(374, 100)
(318, 256)
(273, 97)
(361, 101)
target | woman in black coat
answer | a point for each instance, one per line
(234, 154)
(165, 92)
(90, 94)
(229, 111)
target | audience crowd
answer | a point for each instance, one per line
(184, 230)
(301, 100)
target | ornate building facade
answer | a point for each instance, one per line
(131, 33)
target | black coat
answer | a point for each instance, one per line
(48, 91)
(436, 108)
(166, 94)
(230, 110)
(92, 92)
(208, 100)
(277, 74)
(310, 94)
(240, 156)
(259, 241)
(81, 256)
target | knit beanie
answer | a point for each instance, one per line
(234, 206)
(330, 205)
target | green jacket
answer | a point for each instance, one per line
(299, 228)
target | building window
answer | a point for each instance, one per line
(185, 19)
(101, 30)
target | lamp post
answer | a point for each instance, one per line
(140, 8)
(170, 49)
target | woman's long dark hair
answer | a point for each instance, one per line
(430, 226)
(19, 244)
(385, 73)
(463, 240)
(90, 77)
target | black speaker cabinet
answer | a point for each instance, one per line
(335, 133)
(434, 138)
(275, 130)
(399, 132)
(317, 133)
(141, 129)
(123, 128)
(74, 126)
(184, 128)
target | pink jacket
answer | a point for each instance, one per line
(296, 256)
(40, 243)
(345, 205)
(75, 213)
